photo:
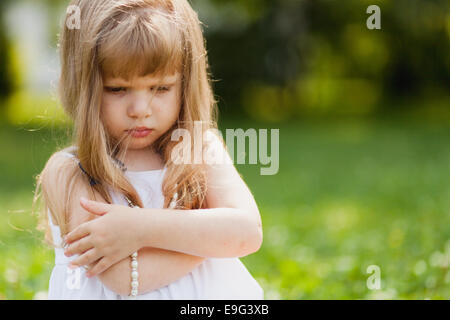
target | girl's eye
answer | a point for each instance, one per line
(118, 90)
(161, 88)
(115, 89)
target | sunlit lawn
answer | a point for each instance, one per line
(348, 194)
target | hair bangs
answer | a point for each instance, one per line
(147, 43)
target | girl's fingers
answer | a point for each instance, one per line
(78, 247)
(79, 232)
(98, 268)
(95, 207)
(86, 258)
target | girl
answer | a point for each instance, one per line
(131, 75)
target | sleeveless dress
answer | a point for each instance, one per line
(214, 279)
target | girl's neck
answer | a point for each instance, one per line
(142, 160)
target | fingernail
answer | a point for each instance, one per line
(72, 266)
(83, 200)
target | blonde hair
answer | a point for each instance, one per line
(129, 38)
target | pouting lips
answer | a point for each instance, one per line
(140, 133)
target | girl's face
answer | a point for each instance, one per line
(150, 102)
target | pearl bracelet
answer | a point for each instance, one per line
(134, 262)
(134, 276)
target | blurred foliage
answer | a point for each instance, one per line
(277, 60)
(24, 108)
(6, 74)
(292, 58)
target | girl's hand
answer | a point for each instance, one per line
(105, 240)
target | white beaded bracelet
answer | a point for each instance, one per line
(134, 262)
(134, 276)
(134, 265)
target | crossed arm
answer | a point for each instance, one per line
(181, 245)
(157, 268)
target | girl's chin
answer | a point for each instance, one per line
(139, 143)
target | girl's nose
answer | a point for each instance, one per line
(140, 106)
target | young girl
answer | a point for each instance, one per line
(131, 75)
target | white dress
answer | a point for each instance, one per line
(215, 278)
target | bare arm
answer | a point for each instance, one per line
(157, 267)
(217, 232)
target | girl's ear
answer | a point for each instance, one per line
(95, 207)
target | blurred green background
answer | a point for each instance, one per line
(364, 120)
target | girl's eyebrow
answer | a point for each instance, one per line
(117, 85)
(154, 81)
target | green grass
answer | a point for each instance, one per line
(348, 194)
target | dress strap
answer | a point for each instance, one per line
(92, 181)
(67, 154)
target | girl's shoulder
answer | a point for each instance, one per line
(59, 171)
(59, 164)
(61, 159)
(63, 185)
(61, 174)
(69, 152)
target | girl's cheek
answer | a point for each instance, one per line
(157, 108)
(110, 100)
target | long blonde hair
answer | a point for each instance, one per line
(131, 38)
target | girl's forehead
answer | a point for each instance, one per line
(148, 79)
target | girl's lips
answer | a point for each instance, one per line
(140, 133)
